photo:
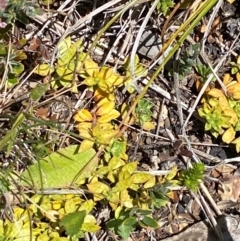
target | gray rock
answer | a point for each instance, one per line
(150, 44)
(202, 231)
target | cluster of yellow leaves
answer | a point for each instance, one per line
(53, 208)
(123, 177)
(222, 110)
(96, 126)
(103, 77)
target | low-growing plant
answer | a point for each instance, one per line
(222, 112)
(235, 66)
(128, 220)
(12, 62)
(143, 114)
(203, 72)
(12, 10)
(191, 177)
(188, 61)
(164, 6)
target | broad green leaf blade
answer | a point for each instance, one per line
(73, 222)
(39, 91)
(60, 168)
(131, 221)
(149, 222)
(125, 231)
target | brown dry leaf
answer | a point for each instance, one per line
(34, 43)
(216, 22)
(225, 204)
(225, 168)
(231, 189)
(43, 113)
(211, 39)
(225, 189)
(215, 173)
(175, 197)
(203, 28)
(196, 209)
(236, 185)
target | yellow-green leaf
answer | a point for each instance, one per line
(70, 206)
(130, 167)
(67, 57)
(105, 108)
(233, 88)
(97, 187)
(229, 135)
(44, 70)
(172, 173)
(20, 55)
(113, 114)
(83, 115)
(141, 177)
(86, 145)
(114, 200)
(60, 168)
(233, 116)
(236, 95)
(90, 81)
(91, 67)
(90, 227)
(215, 93)
(123, 185)
(87, 206)
(150, 183)
(64, 73)
(64, 45)
(147, 126)
(227, 79)
(237, 142)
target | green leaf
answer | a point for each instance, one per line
(130, 221)
(4, 184)
(39, 91)
(3, 50)
(148, 222)
(73, 222)
(114, 224)
(125, 231)
(9, 138)
(12, 80)
(18, 68)
(60, 168)
(6, 29)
